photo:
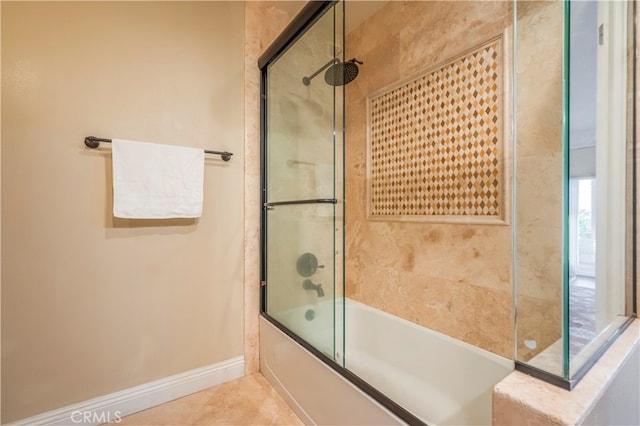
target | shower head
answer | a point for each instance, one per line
(338, 74)
(342, 73)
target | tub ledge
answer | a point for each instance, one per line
(608, 394)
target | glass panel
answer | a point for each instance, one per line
(538, 219)
(300, 120)
(572, 181)
(304, 144)
(301, 286)
(597, 172)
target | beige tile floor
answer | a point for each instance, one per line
(247, 401)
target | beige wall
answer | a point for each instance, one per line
(90, 304)
(453, 278)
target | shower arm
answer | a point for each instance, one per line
(307, 80)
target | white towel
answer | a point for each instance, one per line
(153, 181)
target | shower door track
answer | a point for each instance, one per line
(312, 201)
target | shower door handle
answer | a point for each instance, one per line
(312, 201)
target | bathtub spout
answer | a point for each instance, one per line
(309, 285)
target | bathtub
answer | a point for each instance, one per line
(440, 380)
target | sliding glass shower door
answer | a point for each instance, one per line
(302, 184)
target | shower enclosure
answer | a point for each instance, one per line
(575, 235)
(302, 185)
(418, 193)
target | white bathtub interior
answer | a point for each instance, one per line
(439, 379)
(314, 323)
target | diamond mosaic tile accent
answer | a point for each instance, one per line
(435, 143)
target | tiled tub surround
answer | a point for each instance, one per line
(451, 278)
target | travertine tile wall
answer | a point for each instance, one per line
(453, 278)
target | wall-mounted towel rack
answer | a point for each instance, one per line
(94, 142)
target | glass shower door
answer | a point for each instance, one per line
(303, 208)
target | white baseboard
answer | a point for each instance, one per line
(114, 406)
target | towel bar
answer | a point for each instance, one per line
(94, 142)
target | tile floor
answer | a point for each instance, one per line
(247, 401)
